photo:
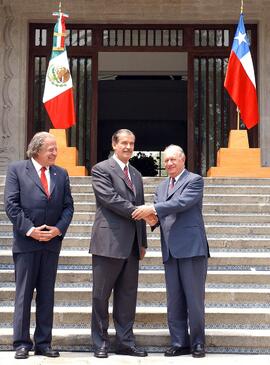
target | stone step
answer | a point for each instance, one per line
(86, 190)
(231, 198)
(156, 317)
(153, 258)
(154, 278)
(208, 198)
(235, 218)
(220, 189)
(85, 208)
(155, 180)
(209, 189)
(224, 242)
(82, 296)
(235, 181)
(247, 229)
(258, 187)
(74, 339)
(250, 208)
(209, 217)
(238, 228)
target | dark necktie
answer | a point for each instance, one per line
(128, 181)
(44, 181)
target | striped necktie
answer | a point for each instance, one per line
(127, 178)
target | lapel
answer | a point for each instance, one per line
(53, 177)
(117, 169)
(177, 185)
(32, 174)
(165, 189)
(134, 178)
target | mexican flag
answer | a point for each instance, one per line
(58, 93)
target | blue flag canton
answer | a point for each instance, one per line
(241, 42)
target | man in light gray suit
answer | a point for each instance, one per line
(178, 207)
(117, 244)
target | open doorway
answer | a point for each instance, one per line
(146, 93)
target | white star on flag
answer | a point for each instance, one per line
(241, 37)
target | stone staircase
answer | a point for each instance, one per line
(237, 217)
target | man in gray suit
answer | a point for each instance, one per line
(117, 244)
(178, 207)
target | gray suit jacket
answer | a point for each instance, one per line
(180, 216)
(27, 205)
(114, 230)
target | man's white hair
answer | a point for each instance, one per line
(177, 148)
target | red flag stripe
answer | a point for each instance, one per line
(61, 109)
(242, 91)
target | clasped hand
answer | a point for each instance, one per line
(44, 233)
(146, 212)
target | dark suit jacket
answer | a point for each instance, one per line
(114, 230)
(27, 205)
(180, 217)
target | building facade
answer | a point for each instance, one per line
(154, 66)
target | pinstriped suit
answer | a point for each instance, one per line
(115, 244)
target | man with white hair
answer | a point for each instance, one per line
(178, 208)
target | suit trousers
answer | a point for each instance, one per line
(185, 285)
(121, 276)
(34, 270)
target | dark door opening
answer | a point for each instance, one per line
(153, 107)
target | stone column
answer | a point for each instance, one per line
(6, 149)
(264, 88)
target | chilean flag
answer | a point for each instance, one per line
(240, 78)
(58, 93)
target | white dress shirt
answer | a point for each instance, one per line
(38, 168)
(121, 164)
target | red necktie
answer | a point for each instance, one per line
(44, 181)
(129, 182)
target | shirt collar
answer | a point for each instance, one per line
(178, 176)
(37, 165)
(120, 163)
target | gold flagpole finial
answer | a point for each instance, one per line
(60, 6)
(242, 6)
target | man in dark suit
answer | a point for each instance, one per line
(178, 207)
(39, 204)
(117, 244)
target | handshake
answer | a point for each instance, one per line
(146, 212)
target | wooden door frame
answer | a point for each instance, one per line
(97, 46)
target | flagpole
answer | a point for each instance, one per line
(238, 119)
(238, 111)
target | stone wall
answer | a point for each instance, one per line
(16, 14)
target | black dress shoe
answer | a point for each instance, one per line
(47, 351)
(101, 352)
(131, 351)
(177, 351)
(198, 350)
(22, 353)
